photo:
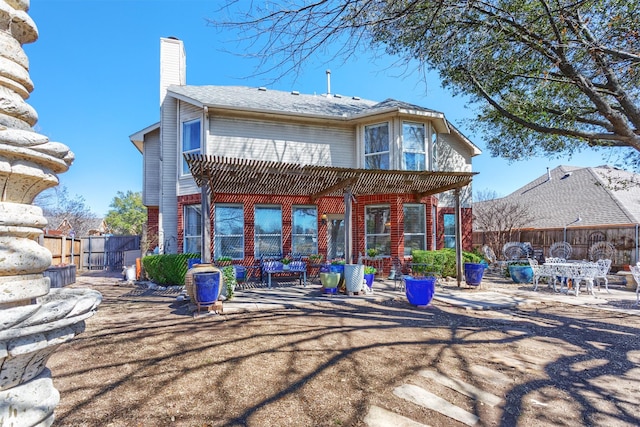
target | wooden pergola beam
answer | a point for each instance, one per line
(340, 185)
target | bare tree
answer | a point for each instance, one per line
(549, 77)
(498, 219)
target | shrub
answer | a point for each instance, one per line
(443, 260)
(167, 269)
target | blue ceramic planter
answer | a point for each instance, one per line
(473, 273)
(420, 290)
(207, 287)
(521, 273)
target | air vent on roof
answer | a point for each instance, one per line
(337, 95)
(262, 88)
(295, 92)
(356, 98)
(566, 175)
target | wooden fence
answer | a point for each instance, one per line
(94, 252)
(624, 238)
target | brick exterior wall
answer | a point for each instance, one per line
(329, 205)
(467, 227)
(153, 225)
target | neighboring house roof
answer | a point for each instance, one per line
(597, 195)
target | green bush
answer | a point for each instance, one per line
(443, 260)
(168, 269)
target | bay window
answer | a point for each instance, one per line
(414, 155)
(376, 146)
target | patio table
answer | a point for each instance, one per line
(577, 271)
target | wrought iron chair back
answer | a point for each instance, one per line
(560, 250)
(601, 250)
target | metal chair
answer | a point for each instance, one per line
(560, 250)
(604, 265)
(543, 271)
(601, 250)
(635, 271)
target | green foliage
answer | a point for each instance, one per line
(127, 214)
(229, 279)
(370, 270)
(442, 261)
(168, 269)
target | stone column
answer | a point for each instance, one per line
(34, 319)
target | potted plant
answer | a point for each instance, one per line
(369, 275)
(286, 261)
(315, 259)
(473, 272)
(420, 290)
(337, 266)
(521, 272)
(329, 282)
(229, 280)
(353, 277)
(372, 252)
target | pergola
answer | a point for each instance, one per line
(215, 174)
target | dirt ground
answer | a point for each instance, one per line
(144, 361)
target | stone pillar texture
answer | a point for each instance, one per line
(34, 319)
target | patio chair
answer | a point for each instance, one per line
(398, 269)
(542, 271)
(635, 271)
(604, 265)
(492, 260)
(601, 250)
(560, 250)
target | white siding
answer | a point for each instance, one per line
(173, 68)
(454, 156)
(151, 169)
(283, 142)
(168, 168)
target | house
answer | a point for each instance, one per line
(580, 205)
(285, 172)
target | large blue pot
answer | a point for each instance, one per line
(473, 273)
(521, 273)
(207, 287)
(420, 290)
(338, 268)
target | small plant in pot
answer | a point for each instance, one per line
(521, 272)
(369, 275)
(223, 261)
(372, 253)
(315, 259)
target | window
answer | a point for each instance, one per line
(304, 234)
(434, 150)
(229, 231)
(376, 146)
(268, 230)
(378, 229)
(414, 228)
(190, 142)
(413, 146)
(192, 243)
(449, 230)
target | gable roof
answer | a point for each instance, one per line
(597, 195)
(333, 107)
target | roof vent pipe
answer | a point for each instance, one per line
(328, 83)
(548, 175)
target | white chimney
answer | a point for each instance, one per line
(328, 83)
(173, 64)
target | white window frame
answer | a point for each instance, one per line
(422, 216)
(434, 150)
(377, 153)
(256, 236)
(197, 150)
(218, 235)
(387, 227)
(187, 238)
(407, 150)
(295, 233)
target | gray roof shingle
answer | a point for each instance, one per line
(598, 195)
(260, 99)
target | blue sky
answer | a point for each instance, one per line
(95, 68)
